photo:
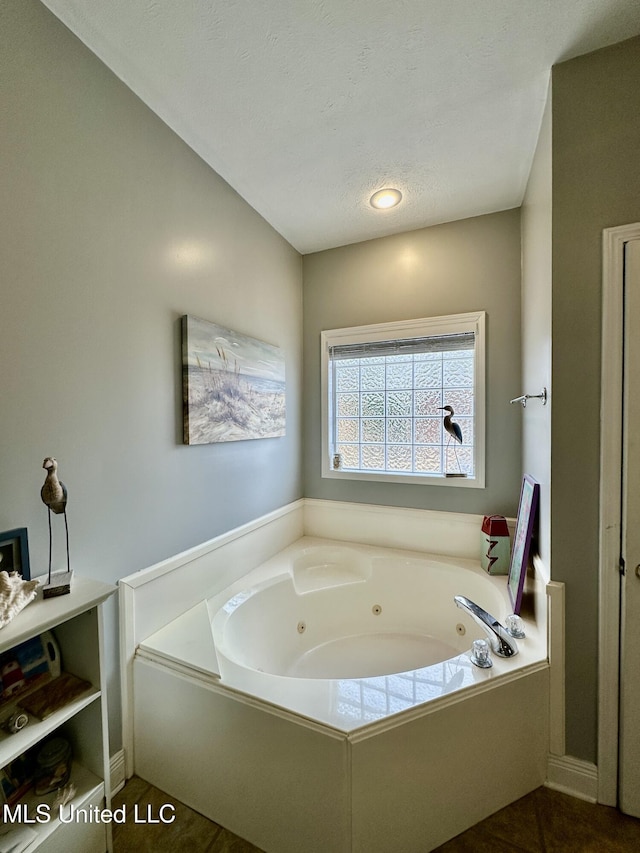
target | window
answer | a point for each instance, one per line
(384, 387)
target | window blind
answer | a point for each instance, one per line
(406, 346)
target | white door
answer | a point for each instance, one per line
(629, 743)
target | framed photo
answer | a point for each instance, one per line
(527, 508)
(14, 552)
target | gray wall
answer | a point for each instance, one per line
(536, 330)
(596, 185)
(111, 229)
(470, 265)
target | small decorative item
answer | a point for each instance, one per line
(54, 496)
(53, 695)
(15, 722)
(495, 548)
(28, 665)
(14, 552)
(529, 495)
(53, 766)
(16, 588)
(64, 796)
(233, 386)
(12, 677)
(16, 778)
(455, 433)
(15, 594)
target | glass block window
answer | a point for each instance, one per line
(385, 389)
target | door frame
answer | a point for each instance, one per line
(610, 521)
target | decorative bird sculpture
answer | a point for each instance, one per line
(54, 496)
(453, 429)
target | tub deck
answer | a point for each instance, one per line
(346, 705)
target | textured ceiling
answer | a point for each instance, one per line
(306, 107)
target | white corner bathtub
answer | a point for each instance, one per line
(332, 692)
(347, 612)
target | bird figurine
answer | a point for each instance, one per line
(453, 429)
(54, 496)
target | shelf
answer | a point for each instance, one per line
(42, 614)
(89, 791)
(77, 621)
(13, 745)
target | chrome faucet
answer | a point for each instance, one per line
(501, 642)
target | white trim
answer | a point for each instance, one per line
(573, 776)
(206, 681)
(166, 566)
(556, 647)
(117, 768)
(450, 324)
(128, 645)
(614, 240)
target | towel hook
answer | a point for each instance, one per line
(524, 397)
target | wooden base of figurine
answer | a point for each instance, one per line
(60, 584)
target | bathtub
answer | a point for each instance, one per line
(323, 621)
(334, 611)
(327, 701)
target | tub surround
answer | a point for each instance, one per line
(406, 778)
(286, 784)
(452, 534)
(153, 597)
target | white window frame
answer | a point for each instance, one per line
(447, 325)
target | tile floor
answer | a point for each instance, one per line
(544, 821)
(547, 821)
(189, 831)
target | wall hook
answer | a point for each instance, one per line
(524, 397)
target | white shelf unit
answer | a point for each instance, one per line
(76, 620)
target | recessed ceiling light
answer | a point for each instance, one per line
(383, 199)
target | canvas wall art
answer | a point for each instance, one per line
(233, 385)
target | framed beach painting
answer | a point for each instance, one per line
(233, 386)
(527, 508)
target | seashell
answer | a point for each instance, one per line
(15, 593)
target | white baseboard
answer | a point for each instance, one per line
(573, 776)
(117, 772)
(564, 773)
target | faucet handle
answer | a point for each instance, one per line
(480, 655)
(515, 626)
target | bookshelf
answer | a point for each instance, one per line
(76, 621)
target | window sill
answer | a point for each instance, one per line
(456, 480)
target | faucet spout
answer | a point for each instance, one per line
(501, 642)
